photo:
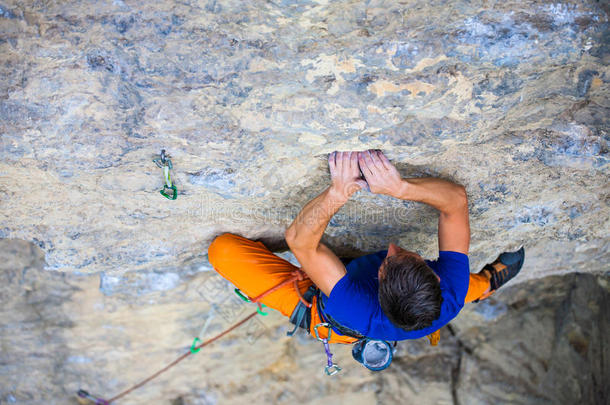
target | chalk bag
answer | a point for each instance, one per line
(376, 355)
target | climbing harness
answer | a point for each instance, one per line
(333, 323)
(165, 163)
(331, 368)
(301, 315)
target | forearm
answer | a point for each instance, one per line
(308, 227)
(443, 195)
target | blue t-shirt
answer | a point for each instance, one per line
(354, 302)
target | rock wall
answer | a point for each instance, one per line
(509, 98)
(539, 342)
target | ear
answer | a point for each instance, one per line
(392, 249)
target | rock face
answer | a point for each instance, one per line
(540, 342)
(510, 100)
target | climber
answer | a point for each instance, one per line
(393, 294)
(389, 295)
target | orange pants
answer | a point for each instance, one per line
(254, 269)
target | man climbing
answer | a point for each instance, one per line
(393, 294)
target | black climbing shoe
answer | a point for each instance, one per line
(504, 268)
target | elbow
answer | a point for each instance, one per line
(461, 192)
(461, 198)
(295, 241)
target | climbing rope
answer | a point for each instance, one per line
(297, 275)
(196, 346)
(194, 349)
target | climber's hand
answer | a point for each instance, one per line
(344, 174)
(381, 175)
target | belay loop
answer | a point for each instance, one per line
(165, 163)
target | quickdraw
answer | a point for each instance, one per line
(165, 163)
(331, 368)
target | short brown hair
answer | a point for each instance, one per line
(409, 292)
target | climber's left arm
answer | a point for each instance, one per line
(304, 234)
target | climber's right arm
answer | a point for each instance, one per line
(303, 236)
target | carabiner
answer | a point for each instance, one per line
(172, 196)
(259, 309)
(332, 370)
(241, 295)
(259, 305)
(326, 325)
(193, 346)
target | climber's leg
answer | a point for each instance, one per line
(254, 269)
(495, 275)
(478, 287)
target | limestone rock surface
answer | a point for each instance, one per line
(508, 98)
(103, 280)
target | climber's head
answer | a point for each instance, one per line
(409, 290)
